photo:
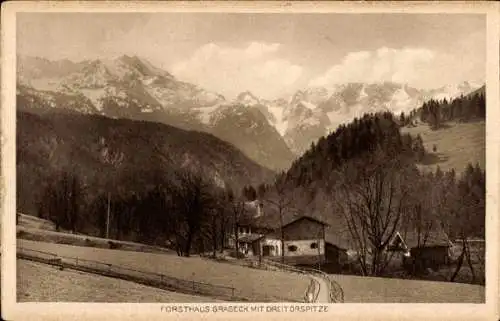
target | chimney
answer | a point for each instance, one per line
(260, 210)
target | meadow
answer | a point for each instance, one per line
(257, 285)
(44, 283)
(457, 144)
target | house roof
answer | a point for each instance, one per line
(340, 237)
(275, 232)
(251, 206)
(249, 238)
(435, 237)
(306, 217)
(271, 220)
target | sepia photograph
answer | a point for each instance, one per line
(250, 157)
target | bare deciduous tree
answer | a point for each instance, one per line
(371, 196)
(191, 194)
(280, 198)
(287, 200)
(238, 211)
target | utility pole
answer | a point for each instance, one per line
(107, 219)
(319, 254)
(282, 232)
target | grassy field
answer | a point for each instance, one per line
(457, 144)
(48, 284)
(358, 289)
(29, 221)
(249, 283)
(37, 229)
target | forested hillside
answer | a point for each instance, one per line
(357, 139)
(363, 179)
(436, 113)
(88, 157)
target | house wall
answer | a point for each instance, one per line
(303, 254)
(300, 235)
(430, 256)
(246, 248)
(303, 247)
(335, 255)
(274, 244)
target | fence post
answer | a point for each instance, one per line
(232, 292)
(193, 284)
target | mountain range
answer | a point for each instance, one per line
(270, 132)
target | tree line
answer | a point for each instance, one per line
(437, 112)
(184, 210)
(360, 137)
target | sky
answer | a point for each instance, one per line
(272, 55)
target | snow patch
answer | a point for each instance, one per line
(308, 105)
(147, 109)
(47, 84)
(117, 68)
(95, 96)
(205, 113)
(247, 99)
(282, 127)
(277, 112)
(311, 121)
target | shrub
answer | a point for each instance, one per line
(113, 245)
(90, 243)
(238, 255)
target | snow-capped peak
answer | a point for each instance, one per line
(247, 99)
(141, 66)
(311, 96)
(453, 90)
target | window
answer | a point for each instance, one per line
(314, 245)
(292, 248)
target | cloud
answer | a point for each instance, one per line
(384, 64)
(231, 70)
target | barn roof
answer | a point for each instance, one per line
(271, 221)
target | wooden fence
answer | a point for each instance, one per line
(147, 278)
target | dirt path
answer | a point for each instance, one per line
(323, 295)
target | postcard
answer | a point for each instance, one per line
(241, 160)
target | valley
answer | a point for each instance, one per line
(211, 159)
(169, 163)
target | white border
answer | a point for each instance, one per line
(14, 311)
